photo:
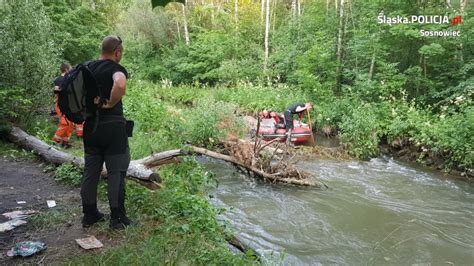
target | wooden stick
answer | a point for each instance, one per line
(256, 136)
(313, 142)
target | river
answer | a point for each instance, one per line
(376, 212)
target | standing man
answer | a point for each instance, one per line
(297, 108)
(106, 139)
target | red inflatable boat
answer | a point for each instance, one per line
(270, 130)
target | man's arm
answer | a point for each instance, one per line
(118, 90)
(300, 109)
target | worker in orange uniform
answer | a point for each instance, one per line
(65, 127)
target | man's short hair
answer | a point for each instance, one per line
(64, 67)
(110, 44)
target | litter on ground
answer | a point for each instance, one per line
(26, 248)
(89, 242)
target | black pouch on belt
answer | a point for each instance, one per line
(129, 127)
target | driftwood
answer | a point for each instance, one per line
(257, 172)
(141, 170)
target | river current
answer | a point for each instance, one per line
(380, 212)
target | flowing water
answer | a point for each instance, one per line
(381, 212)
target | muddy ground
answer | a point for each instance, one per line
(58, 227)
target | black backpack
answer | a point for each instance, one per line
(76, 98)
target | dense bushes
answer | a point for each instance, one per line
(29, 58)
(360, 131)
(168, 124)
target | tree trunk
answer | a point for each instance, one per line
(141, 170)
(424, 65)
(267, 30)
(179, 31)
(136, 171)
(273, 17)
(354, 29)
(372, 65)
(339, 49)
(327, 7)
(462, 6)
(298, 3)
(293, 8)
(185, 21)
(448, 4)
(236, 13)
(262, 11)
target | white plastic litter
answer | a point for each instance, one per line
(19, 214)
(10, 225)
(51, 203)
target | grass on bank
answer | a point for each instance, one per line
(177, 224)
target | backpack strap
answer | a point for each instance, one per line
(97, 68)
(99, 87)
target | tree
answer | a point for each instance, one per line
(267, 31)
(29, 57)
(339, 48)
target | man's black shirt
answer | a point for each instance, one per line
(103, 71)
(58, 81)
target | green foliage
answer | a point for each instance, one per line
(10, 152)
(29, 57)
(13, 102)
(360, 131)
(68, 173)
(455, 137)
(161, 125)
(210, 121)
(254, 98)
(77, 30)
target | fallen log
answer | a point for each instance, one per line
(136, 171)
(141, 170)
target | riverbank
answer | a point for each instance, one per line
(176, 223)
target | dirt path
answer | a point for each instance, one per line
(26, 181)
(58, 227)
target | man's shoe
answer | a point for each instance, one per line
(117, 224)
(90, 219)
(118, 220)
(91, 215)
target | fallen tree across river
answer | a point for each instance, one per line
(141, 170)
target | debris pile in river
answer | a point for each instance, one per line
(277, 161)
